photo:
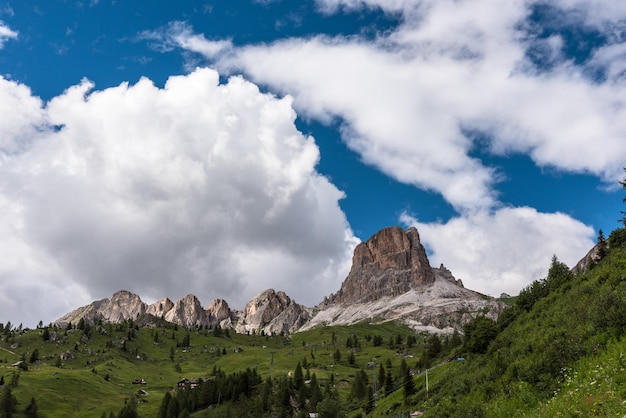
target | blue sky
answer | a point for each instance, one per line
(222, 148)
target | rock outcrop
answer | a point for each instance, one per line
(122, 305)
(391, 279)
(272, 312)
(590, 259)
(187, 312)
(218, 311)
(390, 263)
(160, 307)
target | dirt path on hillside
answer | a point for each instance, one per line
(8, 351)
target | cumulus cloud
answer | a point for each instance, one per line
(6, 33)
(409, 99)
(198, 187)
(454, 80)
(505, 250)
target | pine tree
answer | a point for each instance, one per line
(369, 401)
(129, 411)
(34, 357)
(381, 376)
(31, 409)
(623, 184)
(359, 386)
(388, 383)
(164, 405)
(434, 346)
(316, 393)
(7, 403)
(187, 340)
(602, 245)
(409, 384)
(298, 377)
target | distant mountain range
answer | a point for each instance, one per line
(390, 280)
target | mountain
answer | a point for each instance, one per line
(122, 305)
(390, 263)
(272, 312)
(390, 279)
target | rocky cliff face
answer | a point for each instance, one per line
(272, 312)
(160, 307)
(390, 263)
(218, 311)
(391, 279)
(122, 305)
(590, 259)
(187, 312)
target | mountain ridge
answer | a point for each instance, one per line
(390, 280)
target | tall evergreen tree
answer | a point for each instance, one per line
(298, 377)
(359, 386)
(602, 245)
(34, 357)
(164, 405)
(623, 184)
(409, 384)
(388, 383)
(337, 356)
(316, 393)
(381, 376)
(8, 402)
(31, 409)
(369, 401)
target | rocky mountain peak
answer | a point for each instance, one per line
(187, 312)
(272, 312)
(123, 305)
(160, 307)
(218, 310)
(391, 262)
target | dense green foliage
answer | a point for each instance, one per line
(540, 350)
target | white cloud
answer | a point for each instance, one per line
(6, 33)
(450, 66)
(408, 99)
(165, 192)
(27, 116)
(179, 34)
(505, 250)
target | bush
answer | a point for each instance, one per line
(478, 334)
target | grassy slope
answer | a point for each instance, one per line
(79, 388)
(556, 360)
